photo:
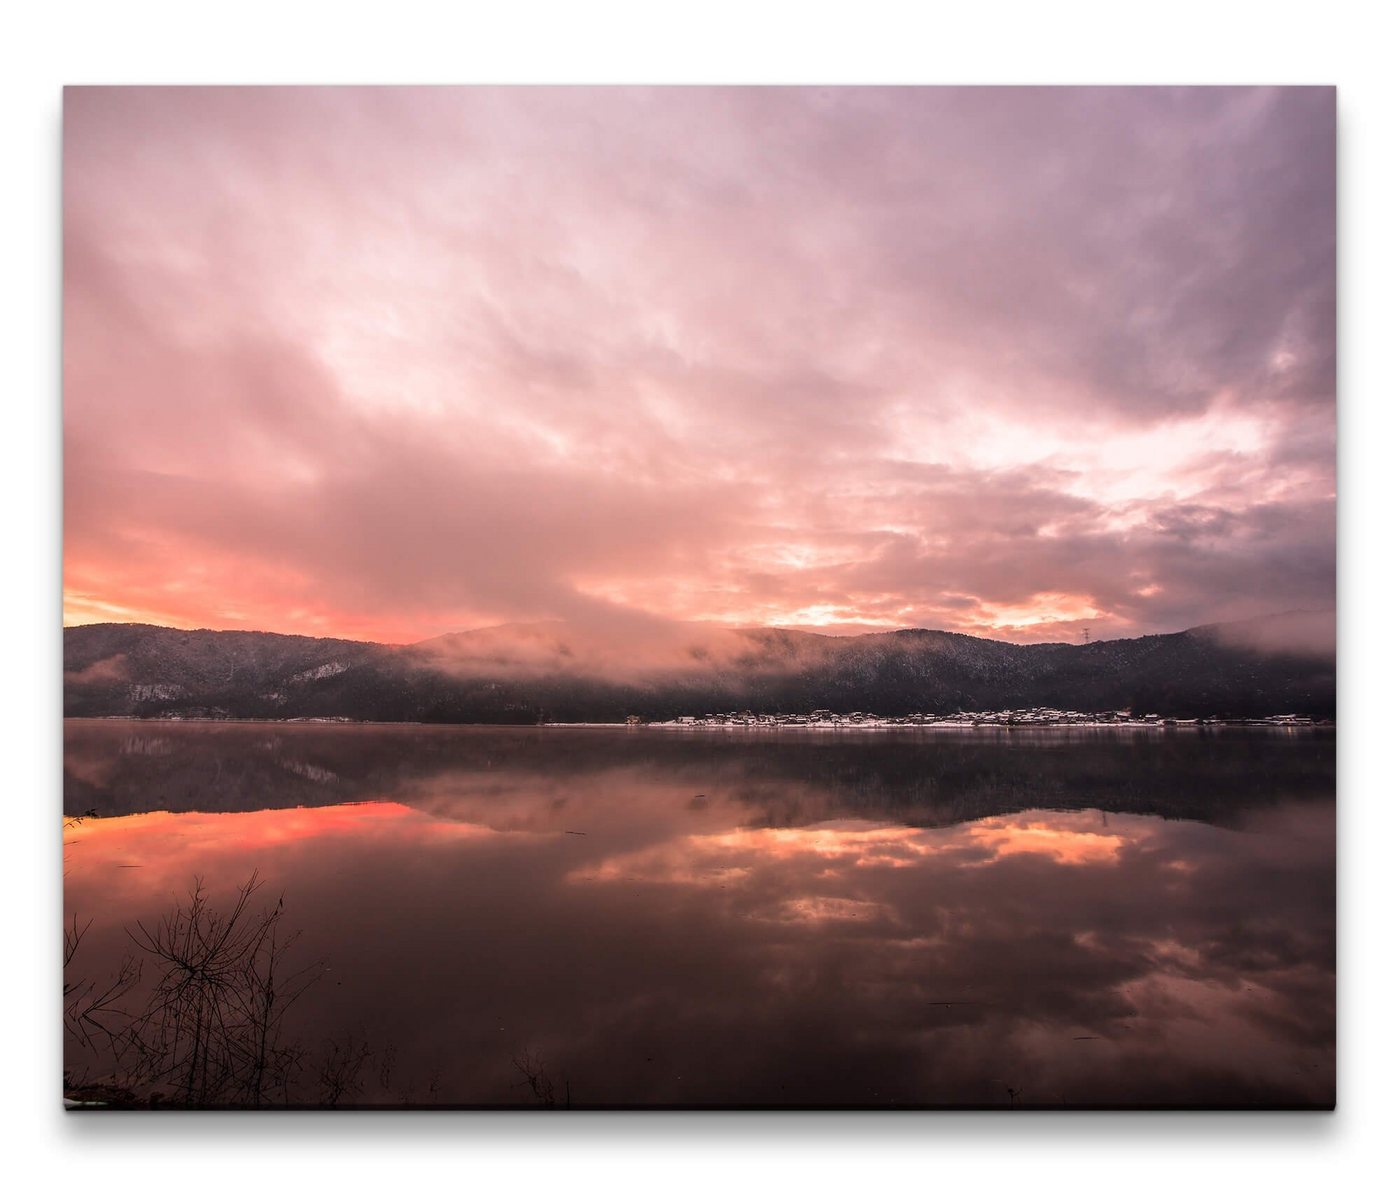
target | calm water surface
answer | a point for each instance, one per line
(1008, 919)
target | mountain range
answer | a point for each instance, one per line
(556, 672)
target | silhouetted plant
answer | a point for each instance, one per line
(211, 1032)
(340, 1068)
(537, 1080)
(387, 1060)
(92, 1012)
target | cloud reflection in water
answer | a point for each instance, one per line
(653, 943)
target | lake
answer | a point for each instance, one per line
(590, 917)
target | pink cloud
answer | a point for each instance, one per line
(388, 363)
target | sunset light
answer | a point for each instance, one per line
(748, 357)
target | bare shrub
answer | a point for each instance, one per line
(537, 1080)
(92, 1009)
(340, 1069)
(212, 1030)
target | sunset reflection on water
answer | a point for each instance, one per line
(644, 931)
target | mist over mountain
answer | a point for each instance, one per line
(561, 673)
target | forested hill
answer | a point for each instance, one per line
(541, 673)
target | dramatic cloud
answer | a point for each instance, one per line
(387, 363)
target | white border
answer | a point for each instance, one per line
(261, 41)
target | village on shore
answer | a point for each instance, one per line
(1024, 717)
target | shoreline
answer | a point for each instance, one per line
(669, 725)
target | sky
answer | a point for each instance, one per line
(386, 363)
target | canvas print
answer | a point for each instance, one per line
(698, 597)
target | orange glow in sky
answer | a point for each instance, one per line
(390, 364)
